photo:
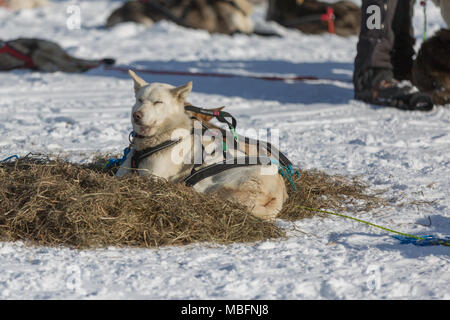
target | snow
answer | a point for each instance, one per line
(405, 153)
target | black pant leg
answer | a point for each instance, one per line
(375, 46)
(402, 55)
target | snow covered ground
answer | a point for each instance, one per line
(406, 153)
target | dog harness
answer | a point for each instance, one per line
(198, 174)
(142, 154)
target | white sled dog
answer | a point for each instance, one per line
(445, 10)
(159, 116)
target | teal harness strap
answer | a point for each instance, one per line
(287, 172)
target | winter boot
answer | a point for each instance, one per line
(378, 86)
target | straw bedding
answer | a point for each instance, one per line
(54, 203)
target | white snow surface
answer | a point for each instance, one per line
(320, 125)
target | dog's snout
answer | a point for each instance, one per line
(137, 116)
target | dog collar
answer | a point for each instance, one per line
(134, 134)
(139, 136)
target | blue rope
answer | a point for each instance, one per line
(405, 238)
(117, 162)
(427, 240)
(11, 157)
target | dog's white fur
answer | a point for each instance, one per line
(164, 118)
(445, 10)
(25, 4)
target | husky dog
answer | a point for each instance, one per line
(23, 4)
(431, 69)
(42, 55)
(305, 16)
(158, 116)
(445, 10)
(215, 16)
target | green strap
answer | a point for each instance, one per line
(233, 130)
(235, 135)
(424, 20)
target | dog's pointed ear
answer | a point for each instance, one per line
(138, 81)
(182, 92)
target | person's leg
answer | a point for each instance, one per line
(373, 76)
(373, 58)
(402, 55)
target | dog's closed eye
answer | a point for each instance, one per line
(157, 102)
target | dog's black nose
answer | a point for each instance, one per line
(137, 116)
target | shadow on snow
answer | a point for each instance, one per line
(335, 88)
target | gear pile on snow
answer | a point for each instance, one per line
(42, 55)
(315, 17)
